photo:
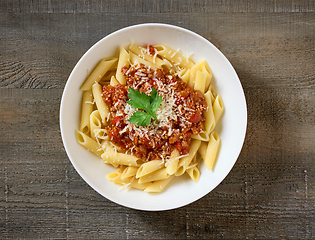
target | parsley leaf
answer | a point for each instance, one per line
(144, 102)
(141, 118)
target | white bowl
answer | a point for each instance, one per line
(181, 191)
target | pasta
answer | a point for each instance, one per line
(99, 71)
(149, 167)
(88, 143)
(185, 161)
(95, 124)
(151, 151)
(122, 62)
(100, 104)
(87, 108)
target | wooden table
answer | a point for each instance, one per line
(268, 194)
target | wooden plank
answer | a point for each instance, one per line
(156, 6)
(30, 125)
(273, 47)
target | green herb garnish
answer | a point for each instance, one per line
(147, 103)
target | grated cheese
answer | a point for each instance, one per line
(171, 114)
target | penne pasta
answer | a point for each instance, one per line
(113, 81)
(218, 108)
(120, 158)
(95, 124)
(154, 176)
(175, 57)
(140, 186)
(88, 143)
(203, 150)
(196, 67)
(149, 167)
(193, 173)
(200, 81)
(136, 59)
(122, 62)
(100, 104)
(86, 110)
(210, 119)
(172, 163)
(129, 172)
(142, 53)
(203, 136)
(99, 71)
(212, 150)
(184, 75)
(213, 93)
(185, 161)
(116, 174)
(115, 177)
(209, 75)
(159, 185)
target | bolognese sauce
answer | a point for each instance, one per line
(180, 114)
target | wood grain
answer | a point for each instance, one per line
(269, 194)
(156, 6)
(265, 42)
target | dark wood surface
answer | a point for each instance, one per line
(269, 194)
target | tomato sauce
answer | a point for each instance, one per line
(156, 141)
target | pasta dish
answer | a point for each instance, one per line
(151, 113)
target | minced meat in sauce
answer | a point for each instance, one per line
(184, 115)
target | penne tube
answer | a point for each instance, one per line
(101, 134)
(184, 75)
(129, 172)
(95, 123)
(116, 174)
(196, 67)
(172, 163)
(99, 71)
(136, 59)
(154, 176)
(218, 108)
(86, 110)
(140, 186)
(203, 150)
(175, 57)
(209, 75)
(193, 173)
(210, 119)
(203, 136)
(185, 161)
(123, 61)
(149, 167)
(114, 157)
(142, 53)
(212, 150)
(115, 177)
(108, 76)
(106, 146)
(88, 143)
(100, 104)
(159, 185)
(113, 81)
(106, 79)
(212, 92)
(170, 67)
(200, 81)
